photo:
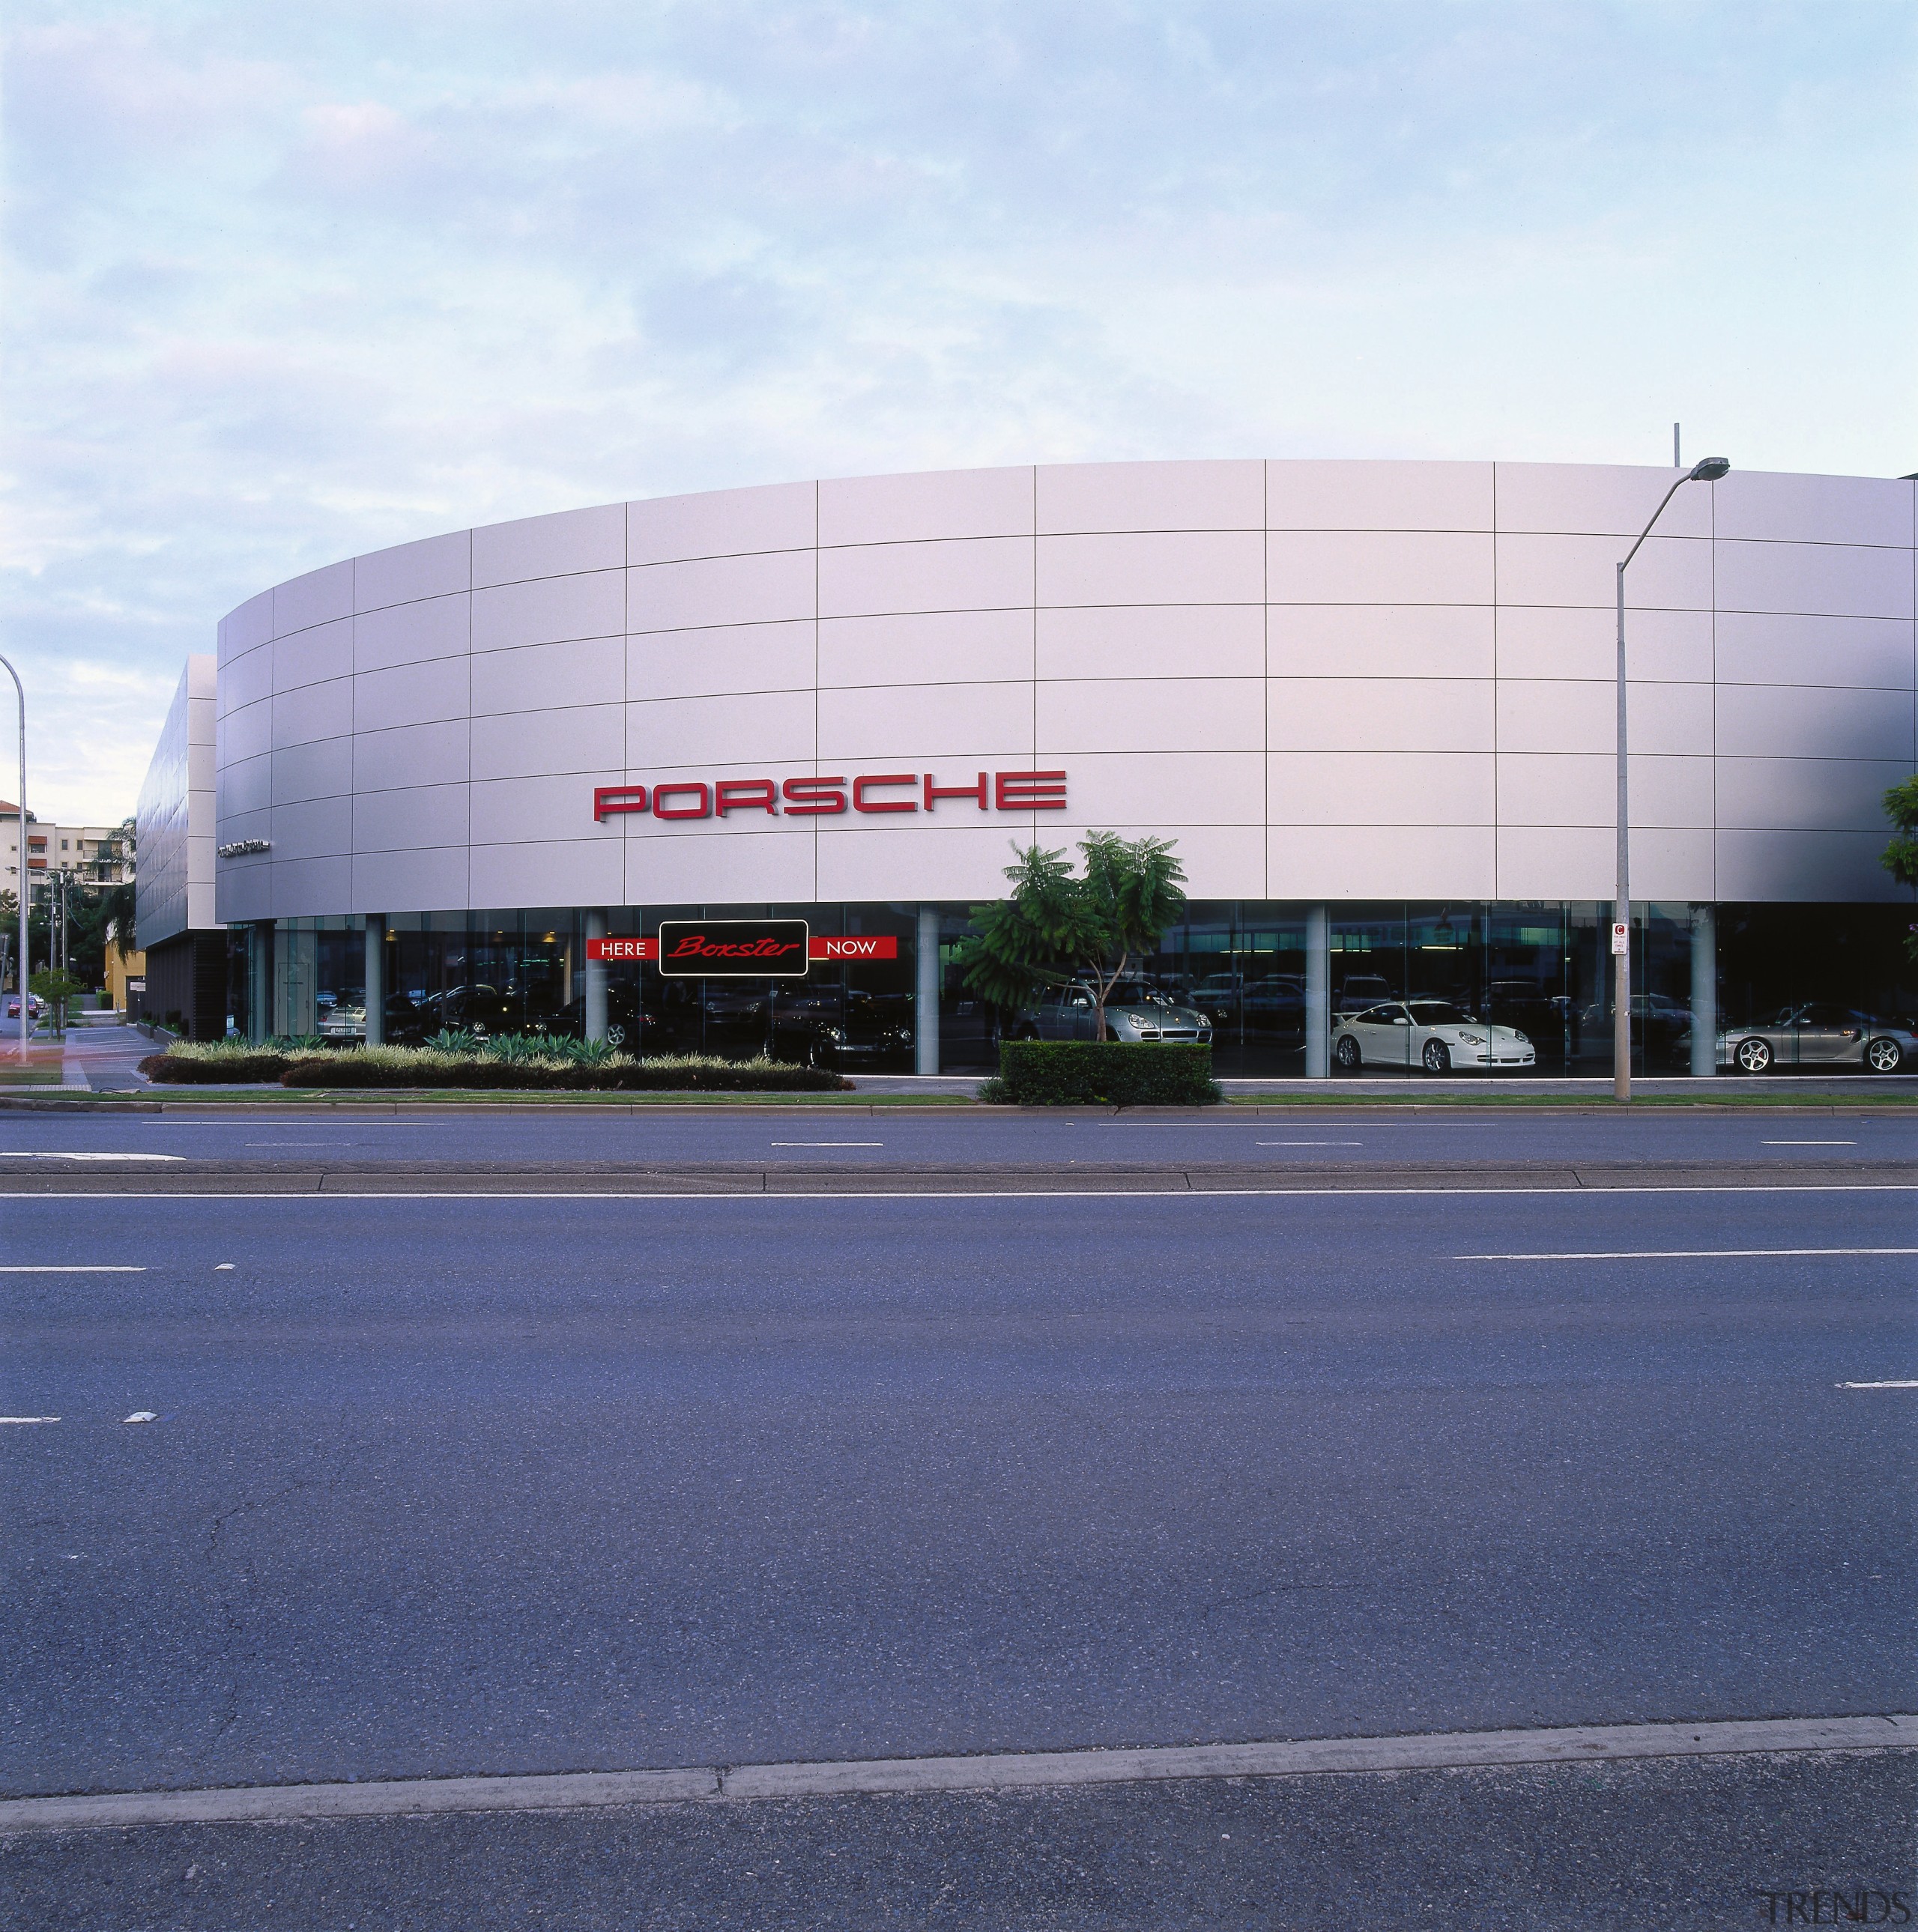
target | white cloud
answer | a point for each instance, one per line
(288, 283)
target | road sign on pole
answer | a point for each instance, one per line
(1621, 938)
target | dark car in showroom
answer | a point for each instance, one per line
(843, 1026)
(634, 1028)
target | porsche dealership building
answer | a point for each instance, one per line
(464, 780)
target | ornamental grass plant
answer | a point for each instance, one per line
(512, 1062)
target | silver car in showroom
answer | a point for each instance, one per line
(1134, 1012)
(1431, 1033)
(1818, 1034)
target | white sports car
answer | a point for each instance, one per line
(1431, 1033)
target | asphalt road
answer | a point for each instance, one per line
(448, 1486)
(1280, 1138)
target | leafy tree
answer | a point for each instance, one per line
(1056, 928)
(1900, 857)
(59, 990)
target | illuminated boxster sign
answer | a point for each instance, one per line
(872, 792)
(855, 946)
(729, 949)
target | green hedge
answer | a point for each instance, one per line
(1085, 1072)
(175, 1069)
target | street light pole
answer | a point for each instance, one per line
(26, 868)
(1708, 471)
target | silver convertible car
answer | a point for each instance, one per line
(1431, 1033)
(1818, 1035)
(1134, 1012)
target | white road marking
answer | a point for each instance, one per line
(9, 1154)
(1690, 1254)
(1878, 1384)
(1308, 1143)
(141, 1415)
(1810, 1143)
(996, 1771)
(6, 1419)
(63, 1268)
(1105, 1195)
(829, 1143)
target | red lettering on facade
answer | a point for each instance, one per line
(744, 795)
(808, 798)
(933, 791)
(879, 946)
(1029, 791)
(610, 800)
(860, 787)
(822, 797)
(704, 794)
(696, 945)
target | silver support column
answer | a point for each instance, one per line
(595, 980)
(376, 979)
(1318, 994)
(925, 1006)
(1704, 992)
(259, 980)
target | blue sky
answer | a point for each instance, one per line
(284, 283)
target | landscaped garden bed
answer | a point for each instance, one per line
(518, 1062)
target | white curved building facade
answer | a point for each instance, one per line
(1343, 685)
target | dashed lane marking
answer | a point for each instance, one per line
(1878, 1384)
(69, 1268)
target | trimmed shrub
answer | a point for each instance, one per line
(215, 1063)
(1085, 1073)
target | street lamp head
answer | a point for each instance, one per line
(1710, 470)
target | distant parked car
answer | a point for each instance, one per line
(480, 1010)
(1358, 991)
(36, 1006)
(1431, 1033)
(1818, 1034)
(1660, 1025)
(343, 1019)
(1274, 1005)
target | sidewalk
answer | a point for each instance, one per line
(104, 1059)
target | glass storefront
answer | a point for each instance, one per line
(1541, 969)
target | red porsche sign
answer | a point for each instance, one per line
(872, 792)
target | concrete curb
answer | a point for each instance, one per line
(1007, 1772)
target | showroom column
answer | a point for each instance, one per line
(376, 979)
(1704, 992)
(595, 980)
(926, 1007)
(1318, 994)
(259, 980)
